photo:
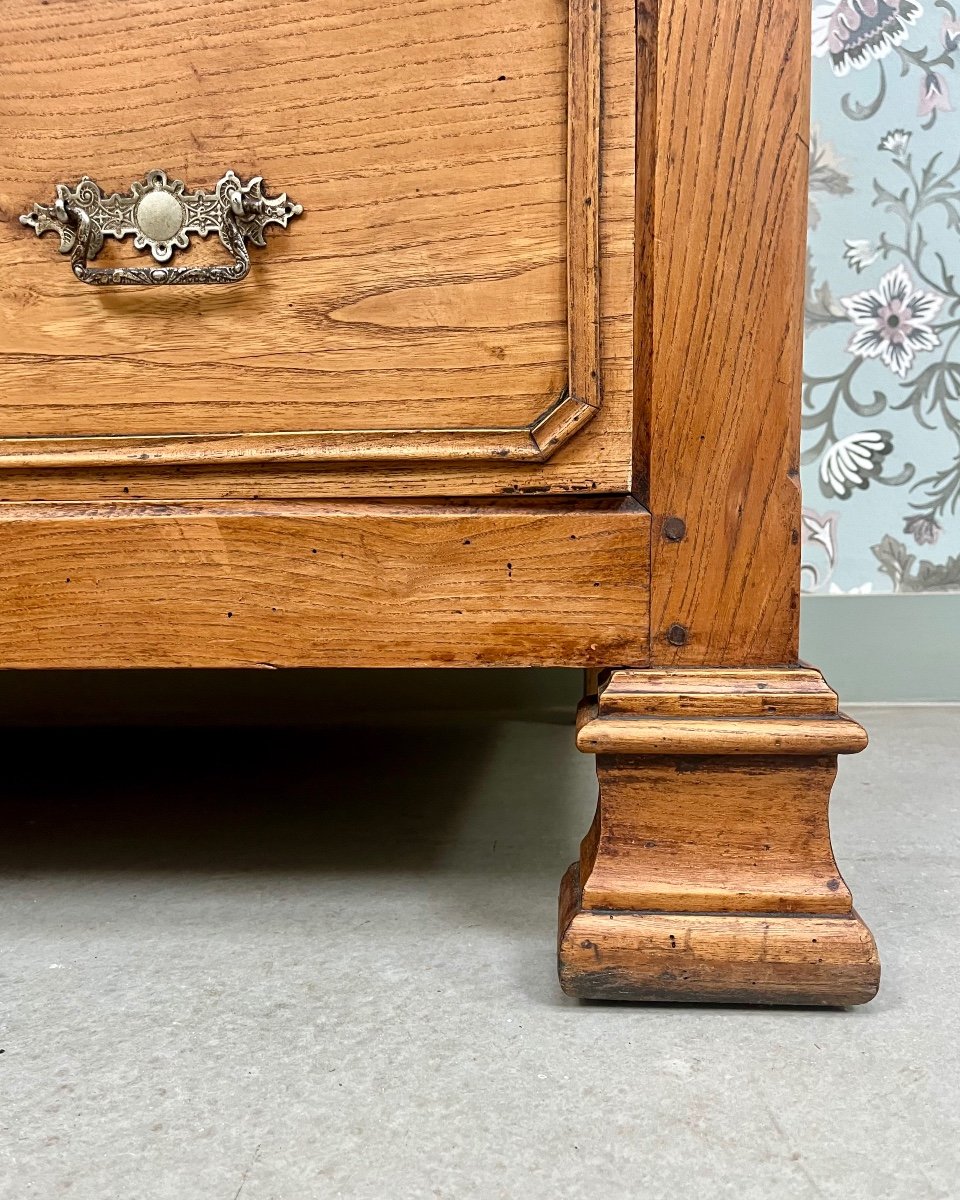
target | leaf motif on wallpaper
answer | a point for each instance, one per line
(897, 562)
(826, 176)
(934, 392)
(895, 204)
(924, 530)
(942, 488)
(933, 190)
(826, 171)
(820, 528)
(949, 28)
(821, 410)
(821, 306)
(818, 541)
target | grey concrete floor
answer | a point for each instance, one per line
(290, 965)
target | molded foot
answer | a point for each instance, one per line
(708, 873)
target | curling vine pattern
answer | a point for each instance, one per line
(881, 394)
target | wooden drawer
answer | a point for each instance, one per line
(451, 313)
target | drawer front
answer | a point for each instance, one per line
(451, 311)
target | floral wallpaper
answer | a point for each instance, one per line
(881, 395)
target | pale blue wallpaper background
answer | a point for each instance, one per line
(881, 399)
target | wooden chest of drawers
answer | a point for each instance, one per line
(432, 334)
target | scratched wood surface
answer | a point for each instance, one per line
(424, 288)
(715, 959)
(321, 584)
(720, 325)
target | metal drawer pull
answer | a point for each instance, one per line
(160, 213)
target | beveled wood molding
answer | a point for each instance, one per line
(708, 873)
(597, 734)
(532, 443)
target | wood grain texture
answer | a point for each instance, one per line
(748, 692)
(737, 735)
(583, 202)
(313, 584)
(719, 325)
(425, 288)
(713, 800)
(713, 833)
(707, 958)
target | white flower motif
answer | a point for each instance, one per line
(854, 33)
(860, 254)
(894, 321)
(853, 462)
(895, 142)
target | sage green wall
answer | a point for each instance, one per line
(887, 649)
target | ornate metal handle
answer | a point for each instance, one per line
(160, 213)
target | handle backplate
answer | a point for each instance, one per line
(160, 214)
